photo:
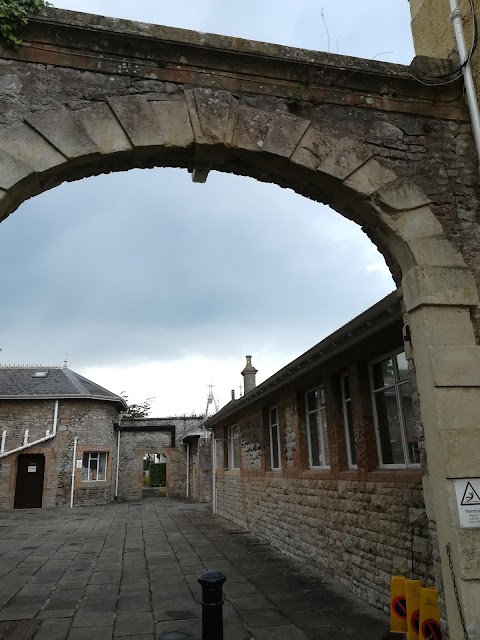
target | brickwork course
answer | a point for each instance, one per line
(131, 571)
(87, 95)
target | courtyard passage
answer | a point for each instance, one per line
(130, 571)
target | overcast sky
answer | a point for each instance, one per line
(157, 286)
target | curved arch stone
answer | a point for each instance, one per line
(215, 128)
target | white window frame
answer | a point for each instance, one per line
(271, 426)
(231, 446)
(95, 453)
(345, 420)
(321, 428)
(397, 384)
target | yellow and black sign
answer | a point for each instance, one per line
(398, 605)
(412, 590)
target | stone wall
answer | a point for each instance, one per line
(362, 525)
(91, 421)
(201, 469)
(152, 435)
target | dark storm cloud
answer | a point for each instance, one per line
(148, 265)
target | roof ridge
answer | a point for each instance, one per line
(72, 376)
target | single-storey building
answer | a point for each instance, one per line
(323, 459)
(63, 442)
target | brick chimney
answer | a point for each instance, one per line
(249, 376)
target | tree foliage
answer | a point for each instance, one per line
(14, 15)
(140, 410)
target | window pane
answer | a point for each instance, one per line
(323, 417)
(85, 467)
(315, 451)
(346, 387)
(312, 400)
(351, 434)
(402, 365)
(273, 415)
(236, 448)
(102, 466)
(93, 468)
(410, 425)
(383, 375)
(389, 428)
(274, 447)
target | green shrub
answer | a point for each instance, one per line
(158, 474)
(14, 15)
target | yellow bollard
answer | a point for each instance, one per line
(412, 591)
(429, 615)
(398, 605)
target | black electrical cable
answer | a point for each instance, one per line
(438, 80)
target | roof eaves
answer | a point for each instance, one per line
(375, 318)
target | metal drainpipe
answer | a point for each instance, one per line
(214, 474)
(188, 470)
(457, 20)
(75, 440)
(118, 463)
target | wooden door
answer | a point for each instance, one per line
(29, 485)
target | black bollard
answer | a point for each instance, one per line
(212, 605)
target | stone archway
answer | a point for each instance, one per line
(321, 153)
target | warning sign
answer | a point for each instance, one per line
(431, 630)
(467, 491)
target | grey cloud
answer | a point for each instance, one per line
(149, 265)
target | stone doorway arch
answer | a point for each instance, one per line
(322, 152)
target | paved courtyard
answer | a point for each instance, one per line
(130, 571)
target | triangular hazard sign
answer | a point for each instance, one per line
(470, 496)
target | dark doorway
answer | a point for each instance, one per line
(29, 486)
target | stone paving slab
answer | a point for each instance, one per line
(129, 570)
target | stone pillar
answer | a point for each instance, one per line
(447, 361)
(249, 374)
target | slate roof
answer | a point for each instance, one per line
(18, 383)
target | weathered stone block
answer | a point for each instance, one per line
(104, 129)
(25, 144)
(456, 366)
(212, 114)
(174, 122)
(251, 128)
(439, 286)
(313, 148)
(137, 120)
(63, 131)
(369, 178)
(12, 171)
(284, 134)
(402, 195)
(345, 157)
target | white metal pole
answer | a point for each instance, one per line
(74, 461)
(188, 470)
(457, 20)
(118, 463)
(2, 446)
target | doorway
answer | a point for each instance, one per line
(154, 475)
(29, 484)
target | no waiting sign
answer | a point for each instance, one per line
(467, 491)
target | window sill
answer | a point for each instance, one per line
(395, 475)
(231, 472)
(87, 484)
